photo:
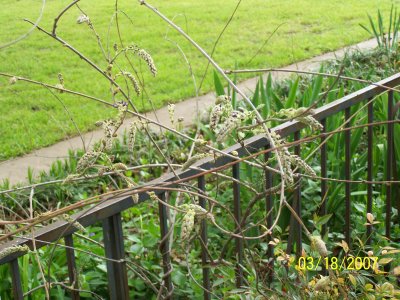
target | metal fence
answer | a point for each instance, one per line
(109, 212)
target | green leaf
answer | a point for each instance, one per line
(136, 249)
(234, 94)
(271, 96)
(249, 173)
(385, 260)
(359, 207)
(263, 93)
(256, 95)
(363, 193)
(380, 24)
(219, 88)
(377, 36)
(277, 101)
(292, 93)
(134, 238)
(179, 278)
(218, 282)
(322, 220)
(356, 136)
(317, 85)
(352, 280)
(366, 29)
(260, 106)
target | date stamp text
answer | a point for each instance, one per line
(310, 263)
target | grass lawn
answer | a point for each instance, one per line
(31, 117)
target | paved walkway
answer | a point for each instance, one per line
(16, 170)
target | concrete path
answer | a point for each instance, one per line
(16, 170)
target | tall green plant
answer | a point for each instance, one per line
(386, 40)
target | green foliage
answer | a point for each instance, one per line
(141, 227)
(219, 88)
(387, 38)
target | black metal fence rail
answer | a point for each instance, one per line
(109, 212)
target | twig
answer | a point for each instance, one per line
(60, 15)
(217, 41)
(266, 41)
(70, 117)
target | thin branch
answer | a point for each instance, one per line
(60, 15)
(217, 41)
(266, 41)
(70, 117)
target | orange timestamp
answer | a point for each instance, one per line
(310, 263)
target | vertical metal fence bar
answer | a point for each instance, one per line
(324, 174)
(297, 199)
(268, 208)
(237, 214)
(16, 280)
(347, 171)
(389, 173)
(72, 270)
(201, 183)
(322, 209)
(370, 165)
(295, 232)
(164, 247)
(114, 249)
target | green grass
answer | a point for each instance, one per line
(32, 118)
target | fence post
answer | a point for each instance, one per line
(164, 247)
(204, 257)
(269, 208)
(295, 230)
(114, 249)
(347, 171)
(324, 190)
(389, 176)
(370, 132)
(324, 195)
(72, 270)
(16, 280)
(237, 214)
